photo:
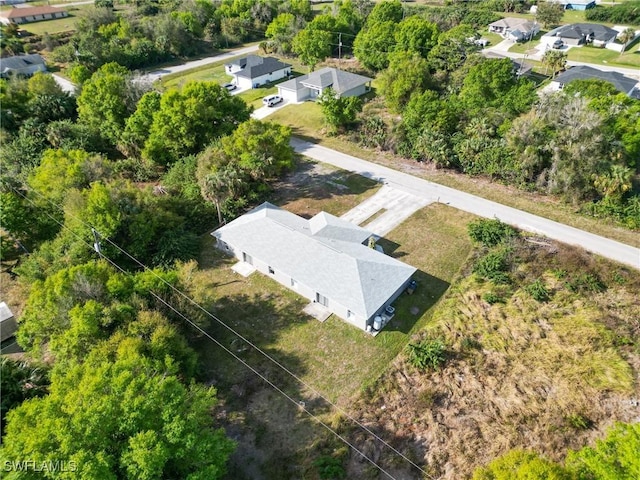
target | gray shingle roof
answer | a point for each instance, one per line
(19, 62)
(581, 72)
(512, 23)
(254, 66)
(339, 80)
(583, 30)
(324, 254)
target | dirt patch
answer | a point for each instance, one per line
(314, 187)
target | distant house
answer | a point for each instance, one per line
(310, 86)
(576, 4)
(8, 325)
(516, 29)
(253, 70)
(324, 259)
(31, 14)
(626, 85)
(581, 34)
(22, 65)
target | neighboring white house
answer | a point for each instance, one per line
(8, 325)
(31, 14)
(516, 29)
(581, 34)
(623, 84)
(22, 65)
(253, 70)
(310, 86)
(322, 259)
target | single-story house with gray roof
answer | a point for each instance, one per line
(581, 34)
(311, 86)
(626, 85)
(253, 70)
(22, 65)
(31, 14)
(516, 29)
(324, 259)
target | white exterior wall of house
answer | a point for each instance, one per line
(294, 96)
(355, 92)
(296, 286)
(35, 18)
(244, 82)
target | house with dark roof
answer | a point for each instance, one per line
(253, 70)
(626, 85)
(31, 14)
(577, 4)
(311, 86)
(25, 65)
(516, 29)
(581, 34)
(323, 259)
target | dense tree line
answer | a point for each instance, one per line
(627, 13)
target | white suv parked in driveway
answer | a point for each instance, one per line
(272, 100)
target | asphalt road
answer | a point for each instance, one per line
(157, 74)
(432, 192)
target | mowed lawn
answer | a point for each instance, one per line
(333, 357)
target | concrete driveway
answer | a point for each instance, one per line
(397, 206)
(429, 191)
(265, 111)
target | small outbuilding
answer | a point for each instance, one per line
(253, 71)
(311, 86)
(25, 65)
(8, 325)
(325, 259)
(31, 14)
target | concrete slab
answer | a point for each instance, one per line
(243, 268)
(317, 311)
(397, 205)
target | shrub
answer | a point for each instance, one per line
(491, 298)
(586, 282)
(493, 266)
(329, 468)
(427, 354)
(490, 232)
(538, 291)
(578, 421)
(625, 13)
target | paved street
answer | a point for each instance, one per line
(156, 74)
(432, 192)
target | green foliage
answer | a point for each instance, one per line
(549, 13)
(538, 290)
(407, 75)
(19, 381)
(126, 417)
(189, 119)
(427, 354)
(494, 266)
(521, 465)
(491, 298)
(554, 59)
(490, 232)
(453, 48)
(312, 46)
(101, 104)
(138, 125)
(415, 34)
(281, 31)
(578, 421)
(374, 43)
(339, 112)
(330, 468)
(627, 13)
(614, 457)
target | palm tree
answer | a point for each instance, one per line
(625, 37)
(555, 59)
(220, 185)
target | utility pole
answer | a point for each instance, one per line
(339, 46)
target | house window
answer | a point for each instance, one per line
(350, 315)
(322, 300)
(294, 284)
(271, 271)
(247, 258)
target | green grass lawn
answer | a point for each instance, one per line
(631, 58)
(334, 357)
(213, 72)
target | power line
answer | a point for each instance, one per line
(255, 347)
